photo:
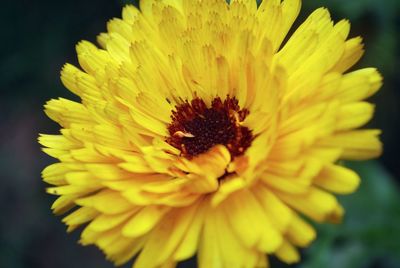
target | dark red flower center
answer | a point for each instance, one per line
(196, 128)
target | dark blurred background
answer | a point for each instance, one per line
(38, 37)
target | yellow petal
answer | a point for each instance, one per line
(64, 203)
(106, 201)
(143, 221)
(80, 216)
(357, 145)
(249, 221)
(209, 253)
(359, 85)
(353, 51)
(189, 244)
(215, 161)
(66, 112)
(288, 253)
(233, 252)
(316, 204)
(81, 178)
(130, 13)
(279, 213)
(166, 238)
(338, 179)
(72, 189)
(55, 174)
(227, 186)
(125, 255)
(300, 233)
(354, 115)
(285, 184)
(105, 222)
(57, 142)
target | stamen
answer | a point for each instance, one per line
(195, 128)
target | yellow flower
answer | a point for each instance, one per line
(201, 131)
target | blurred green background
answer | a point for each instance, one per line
(38, 37)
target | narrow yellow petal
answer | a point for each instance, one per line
(57, 142)
(209, 254)
(81, 178)
(66, 112)
(353, 51)
(64, 203)
(105, 222)
(316, 204)
(359, 85)
(233, 251)
(165, 238)
(142, 222)
(106, 201)
(354, 115)
(55, 174)
(338, 179)
(189, 244)
(277, 211)
(227, 186)
(250, 223)
(300, 233)
(288, 253)
(357, 145)
(80, 216)
(130, 13)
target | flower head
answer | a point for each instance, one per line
(201, 131)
